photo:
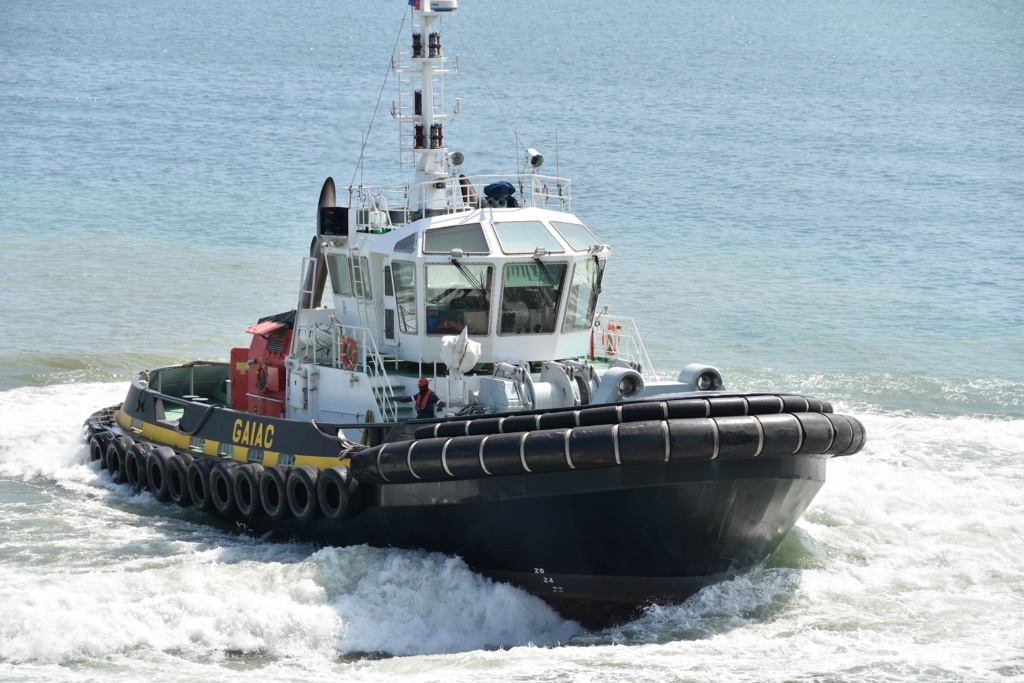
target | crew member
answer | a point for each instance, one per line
(426, 401)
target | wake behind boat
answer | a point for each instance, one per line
(448, 382)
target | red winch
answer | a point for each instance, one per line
(258, 373)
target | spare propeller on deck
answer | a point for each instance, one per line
(330, 221)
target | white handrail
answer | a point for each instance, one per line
(623, 342)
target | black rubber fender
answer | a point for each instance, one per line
(519, 423)
(483, 425)
(424, 459)
(156, 472)
(727, 406)
(629, 411)
(639, 443)
(796, 404)
(764, 405)
(818, 433)
(544, 451)
(198, 480)
(693, 439)
(392, 461)
(223, 477)
(460, 458)
(449, 428)
(117, 450)
(643, 412)
(783, 434)
(338, 491)
(247, 490)
(135, 465)
(739, 436)
(592, 446)
(608, 445)
(274, 493)
(849, 434)
(598, 415)
(98, 446)
(842, 434)
(502, 454)
(562, 419)
(683, 408)
(302, 493)
(177, 479)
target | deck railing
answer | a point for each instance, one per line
(616, 338)
(350, 347)
(381, 209)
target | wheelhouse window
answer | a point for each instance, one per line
(349, 276)
(525, 237)
(361, 278)
(341, 283)
(407, 244)
(469, 238)
(583, 292)
(458, 296)
(576, 235)
(404, 275)
(529, 300)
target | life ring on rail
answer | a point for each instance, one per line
(349, 353)
(610, 339)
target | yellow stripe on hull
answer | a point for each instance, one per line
(183, 442)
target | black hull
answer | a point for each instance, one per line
(597, 545)
(636, 504)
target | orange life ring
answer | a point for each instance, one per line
(610, 339)
(349, 353)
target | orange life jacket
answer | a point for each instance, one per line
(423, 400)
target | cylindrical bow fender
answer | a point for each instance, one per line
(274, 493)
(593, 446)
(783, 434)
(739, 436)
(302, 493)
(849, 434)
(461, 457)
(247, 490)
(727, 437)
(199, 482)
(818, 432)
(630, 411)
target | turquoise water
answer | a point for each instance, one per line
(822, 197)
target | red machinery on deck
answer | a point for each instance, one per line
(257, 372)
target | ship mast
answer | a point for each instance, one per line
(424, 76)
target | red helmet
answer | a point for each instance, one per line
(423, 382)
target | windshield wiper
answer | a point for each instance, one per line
(476, 284)
(547, 273)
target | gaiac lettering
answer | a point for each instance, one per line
(255, 434)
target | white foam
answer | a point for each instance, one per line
(151, 577)
(905, 566)
(40, 429)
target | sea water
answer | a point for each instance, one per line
(820, 197)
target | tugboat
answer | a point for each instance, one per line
(448, 382)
